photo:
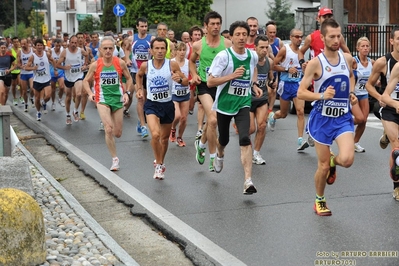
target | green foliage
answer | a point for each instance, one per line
(89, 24)
(108, 20)
(168, 11)
(36, 20)
(7, 13)
(22, 31)
(181, 23)
(279, 11)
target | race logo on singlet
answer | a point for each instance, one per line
(41, 71)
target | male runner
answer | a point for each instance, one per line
(206, 49)
(26, 76)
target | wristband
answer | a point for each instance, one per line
(352, 93)
(322, 96)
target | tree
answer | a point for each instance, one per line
(36, 20)
(180, 24)
(108, 20)
(280, 12)
(7, 13)
(22, 31)
(165, 11)
(89, 24)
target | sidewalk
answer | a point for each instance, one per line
(73, 236)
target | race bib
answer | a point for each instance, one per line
(207, 73)
(159, 93)
(181, 90)
(395, 93)
(262, 79)
(335, 107)
(110, 78)
(41, 72)
(239, 87)
(142, 55)
(75, 69)
(3, 72)
(295, 75)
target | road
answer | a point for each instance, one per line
(276, 226)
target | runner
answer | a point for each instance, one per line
(180, 97)
(362, 72)
(109, 93)
(330, 118)
(71, 61)
(287, 62)
(159, 107)
(162, 32)
(233, 71)
(259, 105)
(57, 75)
(139, 45)
(382, 71)
(206, 49)
(7, 64)
(87, 55)
(40, 62)
(26, 76)
(275, 45)
(15, 73)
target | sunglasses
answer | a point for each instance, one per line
(297, 36)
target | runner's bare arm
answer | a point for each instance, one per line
(393, 81)
(86, 81)
(177, 75)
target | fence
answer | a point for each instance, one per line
(378, 35)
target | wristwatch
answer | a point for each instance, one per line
(286, 68)
(181, 80)
(128, 93)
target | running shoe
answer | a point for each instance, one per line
(199, 134)
(138, 127)
(310, 141)
(61, 102)
(76, 117)
(82, 116)
(332, 175)
(172, 136)
(162, 166)
(180, 142)
(101, 128)
(395, 194)
(159, 173)
(44, 106)
(21, 100)
(218, 164)
(302, 144)
(32, 101)
(200, 152)
(320, 208)
(68, 120)
(115, 164)
(249, 187)
(15, 102)
(359, 148)
(211, 168)
(271, 122)
(394, 167)
(384, 141)
(257, 159)
(39, 116)
(53, 106)
(126, 113)
(191, 112)
(26, 108)
(144, 132)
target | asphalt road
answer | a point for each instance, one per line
(276, 226)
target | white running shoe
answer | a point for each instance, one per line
(115, 164)
(359, 148)
(249, 187)
(257, 159)
(218, 164)
(159, 172)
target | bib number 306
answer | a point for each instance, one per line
(160, 95)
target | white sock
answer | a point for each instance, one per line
(255, 153)
(201, 145)
(397, 161)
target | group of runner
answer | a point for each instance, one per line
(236, 76)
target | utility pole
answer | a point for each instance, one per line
(15, 18)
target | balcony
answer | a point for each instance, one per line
(94, 6)
(66, 6)
(39, 6)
